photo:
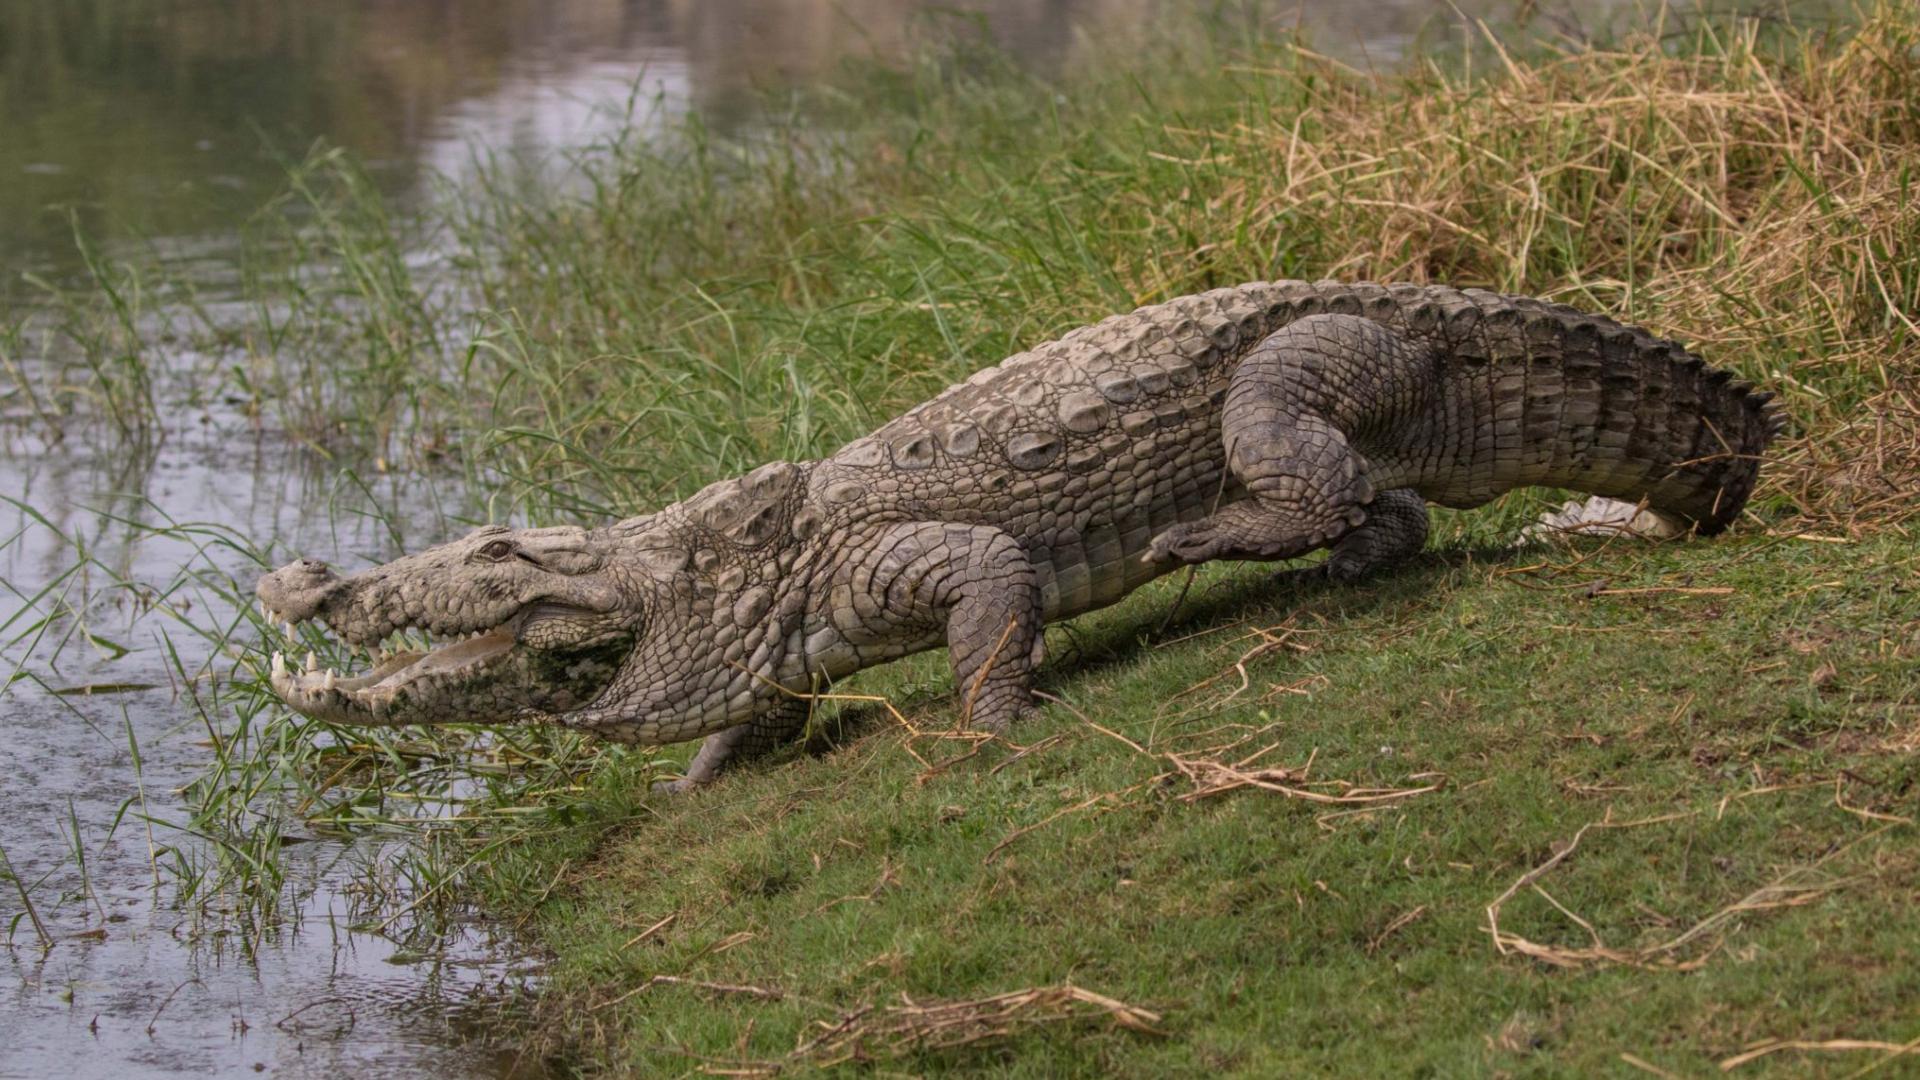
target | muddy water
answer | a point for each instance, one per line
(156, 126)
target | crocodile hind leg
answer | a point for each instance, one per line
(1289, 409)
(1395, 529)
(757, 737)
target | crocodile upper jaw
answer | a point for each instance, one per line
(327, 695)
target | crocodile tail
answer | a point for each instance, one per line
(1667, 427)
(1586, 402)
(1736, 422)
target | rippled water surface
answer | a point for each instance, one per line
(156, 127)
(134, 980)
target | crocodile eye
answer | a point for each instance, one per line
(496, 550)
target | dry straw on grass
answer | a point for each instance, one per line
(1686, 951)
(867, 1034)
(872, 1033)
(1210, 778)
(1766, 1047)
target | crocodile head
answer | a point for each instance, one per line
(530, 624)
(652, 630)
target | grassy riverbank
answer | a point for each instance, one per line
(1743, 712)
(1739, 716)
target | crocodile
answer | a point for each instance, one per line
(1260, 422)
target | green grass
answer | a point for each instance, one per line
(1263, 927)
(750, 302)
(702, 304)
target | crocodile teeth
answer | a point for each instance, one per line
(279, 666)
(327, 682)
(313, 662)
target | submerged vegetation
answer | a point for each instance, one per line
(1385, 879)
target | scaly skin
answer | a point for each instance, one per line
(1258, 422)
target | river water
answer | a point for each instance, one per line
(156, 127)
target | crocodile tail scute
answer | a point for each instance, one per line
(1738, 422)
(1613, 409)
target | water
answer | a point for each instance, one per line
(156, 127)
(135, 982)
(172, 119)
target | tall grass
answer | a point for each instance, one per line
(711, 304)
(692, 305)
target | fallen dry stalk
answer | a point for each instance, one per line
(1774, 1046)
(762, 992)
(1276, 639)
(648, 933)
(870, 1033)
(888, 878)
(867, 1033)
(1210, 778)
(1399, 923)
(1115, 797)
(1782, 892)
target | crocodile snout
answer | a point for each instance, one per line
(298, 590)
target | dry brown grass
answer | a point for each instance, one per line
(869, 1033)
(1751, 200)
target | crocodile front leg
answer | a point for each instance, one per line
(765, 733)
(913, 585)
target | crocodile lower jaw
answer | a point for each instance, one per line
(329, 696)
